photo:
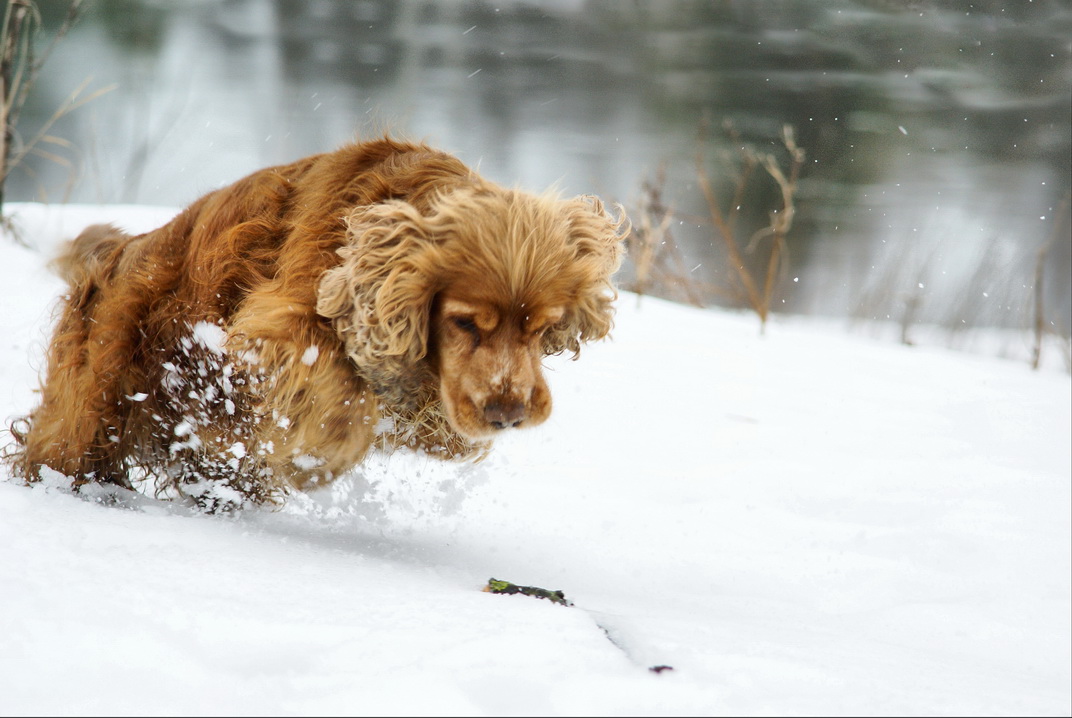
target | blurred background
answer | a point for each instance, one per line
(924, 183)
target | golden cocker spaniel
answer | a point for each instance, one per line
(268, 336)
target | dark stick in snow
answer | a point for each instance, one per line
(613, 634)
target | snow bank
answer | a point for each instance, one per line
(799, 523)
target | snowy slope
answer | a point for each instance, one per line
(801, 523)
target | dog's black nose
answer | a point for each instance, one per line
(504, 414)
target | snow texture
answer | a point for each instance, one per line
(801, 523)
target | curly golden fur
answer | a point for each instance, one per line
(275, 330)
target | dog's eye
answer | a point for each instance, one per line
(466, 324)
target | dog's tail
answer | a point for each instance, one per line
(91, 255)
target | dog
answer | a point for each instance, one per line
(380, 296)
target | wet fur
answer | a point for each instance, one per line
(276, 329)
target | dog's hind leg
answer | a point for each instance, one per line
(67, 434)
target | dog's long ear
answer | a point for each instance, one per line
(596, 237)
(379, 298)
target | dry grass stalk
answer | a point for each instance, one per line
(757, 295)
(658, 261)
(1040, 266)
(649, 235)
(19, 70)
(71, 103)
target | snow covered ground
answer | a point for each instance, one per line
(801, 523)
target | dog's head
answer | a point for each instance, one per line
(470, 295)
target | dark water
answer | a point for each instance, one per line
(938, 133)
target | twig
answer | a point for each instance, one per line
(653, 246)
(73, 102)
(726, 233)
(781, 220)
(613, 633)
(510, 589)
(19, 70)
(1040, 266)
